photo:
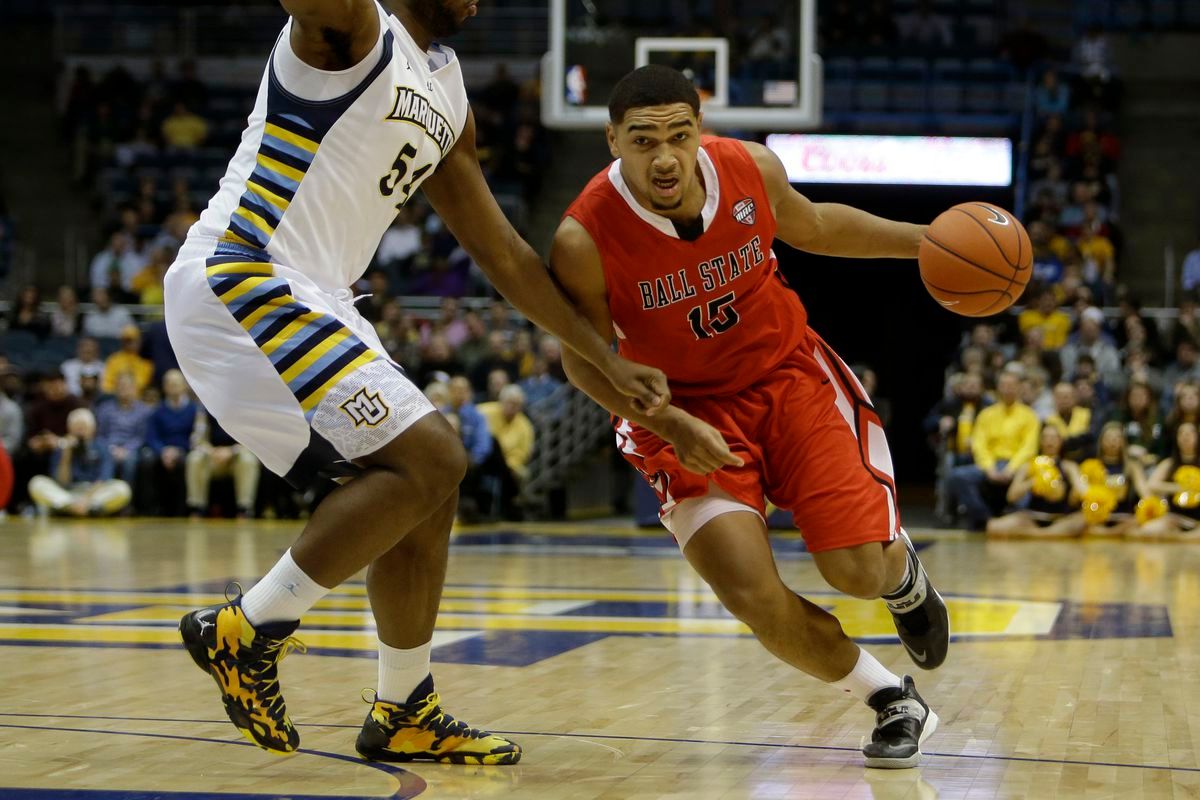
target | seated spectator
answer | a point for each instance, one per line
(1142, 423)
(128, 361)
(522, 350)
(65, 318)
(1185, 368)
(1035, 391)
(400, 243)
(399, 336)
(1124, 478)
(12, 423)
(1185, 407)
(1004, 438)
(499, 356)
(121, 428)
(1099, 256)
(113, 267)
(1138, 369)
(80, 482)
(216, 454)
(1191, 269)
(169, 437)
(89, 391)
(550, 349)
(147, 285)
(1092, 56)
(474, 348)
(1168, 481)
(1187, 324)
(1073, 421)
(26, 314)
(86, 362)
(925, 28)
(476, 438)
(107, 320)
(437, 358)
(45, 423)
(1050, 189)
(379, 295)
(1092, 339)
(1052, 96)
(1043, 312)
(1041, 492)
(514, 433)
(497, 380)
(540, 384)
(450, 323)
(183, 130)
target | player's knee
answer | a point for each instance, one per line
(753, 601)
(863, 578)
(443, 468)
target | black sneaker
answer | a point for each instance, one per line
(903, 722)
(920, 615)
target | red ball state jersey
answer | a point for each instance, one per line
(714, 314)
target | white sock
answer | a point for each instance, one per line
(283, 595)
(867, 677)
(400, 671)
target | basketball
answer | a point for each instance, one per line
(976, 259)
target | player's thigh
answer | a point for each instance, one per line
(828, 460)
(732, 553)
(282, 372)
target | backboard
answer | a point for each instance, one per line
(752, 60)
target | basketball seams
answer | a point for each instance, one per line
(966, 260)
(990, 235)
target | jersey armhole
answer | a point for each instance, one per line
(307, 83)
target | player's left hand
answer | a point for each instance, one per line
(646, 387)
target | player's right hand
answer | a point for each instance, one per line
(700, 447)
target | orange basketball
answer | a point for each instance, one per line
(976, 259)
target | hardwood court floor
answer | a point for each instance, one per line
(1075, 673)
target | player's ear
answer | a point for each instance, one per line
(700, 121)
(610, 133)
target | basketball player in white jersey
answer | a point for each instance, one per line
(357, 109)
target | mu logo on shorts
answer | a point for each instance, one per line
(366, 408)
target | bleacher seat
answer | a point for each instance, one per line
(871, 95)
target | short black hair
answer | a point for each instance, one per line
(651, 85)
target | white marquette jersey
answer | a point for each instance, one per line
(328, 157)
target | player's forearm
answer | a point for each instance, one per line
(852, 233)
(595, 385)
(525, 282)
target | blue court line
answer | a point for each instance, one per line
(409, 785)
(974, 756)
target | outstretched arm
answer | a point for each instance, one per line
(461, 197)
(830, 228)
(575, 263)
(332, 34)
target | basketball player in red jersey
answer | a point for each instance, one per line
(670, 250)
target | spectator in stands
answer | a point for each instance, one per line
(925, 28)
(497, 380)
(400, 243)
(952, 420)
(1092, 339)
(107, 320)
(499, 356)
(1092, 56)
(767, 50)
(1142, 423)
(1052, 96)
(1052, 186)
(1023, 45)
(522, 350)
(80, 482)
(183, 129)
(1041, 492)
(128, 361)
(1073, 421)
(1043, 313)
(215, 454)
(501, 94)
(121, 428)
(550, 349)
(438, 357)
(1035, 392)
(1098, 254)
(1187, 323)
(169, 437)
(1139, 369)
(26, 314)
(514, 433)
(12, 424)
(475, 347)
(86, 362)
(1186, 406)
(1186, 367)
(147, 285)
(1047, 263)
(476, 438)
(1191, 268)
(45, 424)
(379, 294)
(399, 335)
(188, 89)
(113, 267)
(540, 384)
(65, 318)
(1004, 438)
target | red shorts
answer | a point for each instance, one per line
(811, 442)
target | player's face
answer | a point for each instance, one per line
(443, 17)
(657, 146)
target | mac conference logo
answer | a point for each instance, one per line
(743, 211)
(366, 408)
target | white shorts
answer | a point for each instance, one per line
(289, 370)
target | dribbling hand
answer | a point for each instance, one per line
(646, 387)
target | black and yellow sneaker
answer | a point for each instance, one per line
(244, 662)
(419, 730)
